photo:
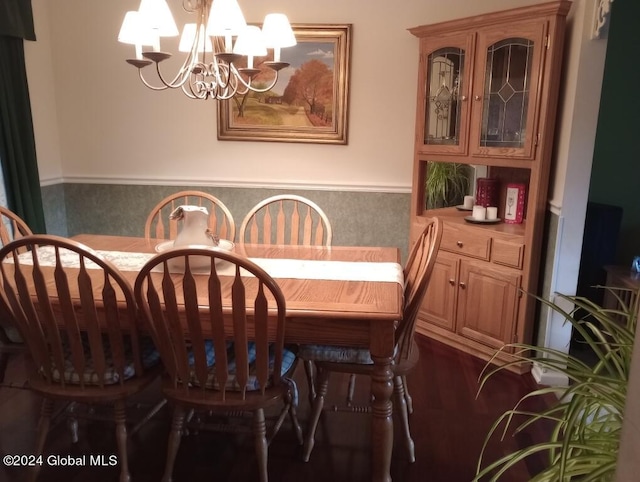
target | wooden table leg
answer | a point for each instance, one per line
(381, 407)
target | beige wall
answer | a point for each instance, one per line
(43, 101)
(111, 128)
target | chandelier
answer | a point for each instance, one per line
(215, 67)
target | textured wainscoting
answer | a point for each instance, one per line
(358, 218)
(55, 214)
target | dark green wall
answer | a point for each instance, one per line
(615, 177)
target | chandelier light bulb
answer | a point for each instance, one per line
(250, 42)
(135, 32)
(277, 33)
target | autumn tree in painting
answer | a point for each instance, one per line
(312, 86)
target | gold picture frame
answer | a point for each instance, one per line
(287, 113)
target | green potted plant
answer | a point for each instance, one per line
(587, 419)
(447, 183)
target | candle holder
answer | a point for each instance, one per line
(487, 191)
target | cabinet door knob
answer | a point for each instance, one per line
(462, 285)
(463, 97)
(477, 97)
(452, 282)
(460, 244)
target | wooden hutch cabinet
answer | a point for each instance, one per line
(486, 107)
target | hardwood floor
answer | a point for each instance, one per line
(448, 426)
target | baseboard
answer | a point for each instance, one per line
(548, 377)
(471, 347)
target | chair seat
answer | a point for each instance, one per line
(335, 354)
(288, 360)
(150, 358)
(355, 360)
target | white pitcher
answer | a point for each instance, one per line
(195, 229)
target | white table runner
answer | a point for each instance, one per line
(277, 268)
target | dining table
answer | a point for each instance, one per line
(348, 296)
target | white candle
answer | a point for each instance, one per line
(479, 213)
(492, 212)
(468, 202)
(156, 40)
(228, 44)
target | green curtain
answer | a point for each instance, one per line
(17, 141)
(16, 19)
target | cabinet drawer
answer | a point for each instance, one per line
(507, 253)
(475, 244)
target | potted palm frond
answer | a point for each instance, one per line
(587, 418)
(446, 184)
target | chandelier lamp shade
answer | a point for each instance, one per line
(219, 47)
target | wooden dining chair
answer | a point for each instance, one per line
(221, 339)
(160, 226)
(80, 329)
(11, 227)
(328, 359)
(286, 219)
(291, 220)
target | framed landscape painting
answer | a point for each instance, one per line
(309, 102)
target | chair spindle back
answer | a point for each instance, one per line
(417, 273)
(11, 226)
(64, 324)
(286, 220)
(190, 312)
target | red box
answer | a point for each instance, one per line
(514, 203)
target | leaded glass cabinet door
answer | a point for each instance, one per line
(506, 94)
(445, 69)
